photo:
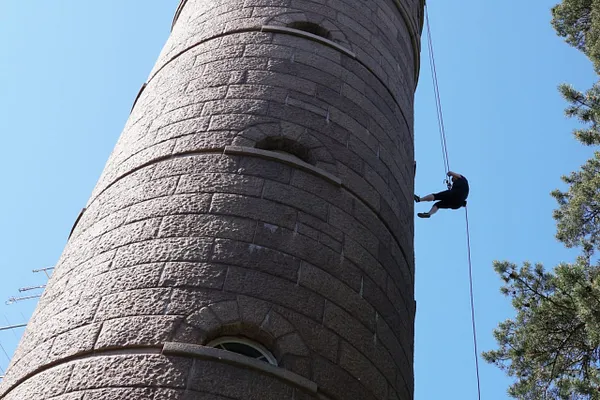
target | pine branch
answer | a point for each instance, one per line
(577, 328)
(543, 295)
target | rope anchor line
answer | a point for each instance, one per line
(436, 90)
(444, 145)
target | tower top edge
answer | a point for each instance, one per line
(397, 3)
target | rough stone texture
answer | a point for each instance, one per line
(220, 212)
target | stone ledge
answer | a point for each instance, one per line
(267, 155)
(307, 35)
(5, 388)
(284, 158)
(138, 96)
(209, 353)
(157, 69)
(414, 31)
(77, 221)
(397, 3)
(178, 13)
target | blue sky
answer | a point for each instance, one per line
(70, 71)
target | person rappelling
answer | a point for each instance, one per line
(453, 198)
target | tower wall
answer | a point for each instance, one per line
(262, 188)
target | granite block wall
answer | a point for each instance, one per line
(261, 189)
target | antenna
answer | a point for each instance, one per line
(44, 270)
(5, 328)
(31, 288)
(13, 299)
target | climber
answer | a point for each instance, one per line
(454, 198)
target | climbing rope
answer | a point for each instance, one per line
(436, 90)
(472, 303)
(442, 129)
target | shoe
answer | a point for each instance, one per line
(417, 198)
(423, 215)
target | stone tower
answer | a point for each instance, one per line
(251, 236)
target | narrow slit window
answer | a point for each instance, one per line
(310, 27)
(244, 347)
(287, 146)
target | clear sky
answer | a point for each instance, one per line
(70, 70)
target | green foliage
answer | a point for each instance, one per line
(586, 108)
(578, 215)
(578, 21)
(552, 347)
(572, 20)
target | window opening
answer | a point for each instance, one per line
(310, 27)
(244, 347)
(284, 145)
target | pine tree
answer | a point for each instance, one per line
(577, 21)
(578, 215)
(552, 346)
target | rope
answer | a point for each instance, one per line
(442, 129)
(472, 304)
(438, 101)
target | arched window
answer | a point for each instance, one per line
(282, 144)
(310, 27)
(244, 347)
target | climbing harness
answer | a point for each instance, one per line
(443, 142)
